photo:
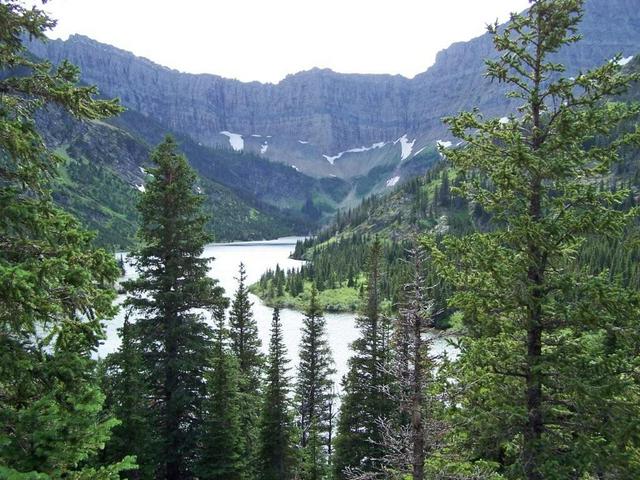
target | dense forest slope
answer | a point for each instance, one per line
(428, 204)
(247, 197)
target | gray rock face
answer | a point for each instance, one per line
(333, 111)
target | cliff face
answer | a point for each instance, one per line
(332, 111)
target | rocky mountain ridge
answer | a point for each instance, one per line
(334, 112)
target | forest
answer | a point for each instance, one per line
(519, 245)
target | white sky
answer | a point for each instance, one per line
(265, 40)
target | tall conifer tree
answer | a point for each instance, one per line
(221, 457)
(545, 390)
(128, 400)
(174, 340)
(314, 391)
(276, 429)
(245, 345)
(365, 400)
(55, 287)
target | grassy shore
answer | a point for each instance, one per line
(340, 299)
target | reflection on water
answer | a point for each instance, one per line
(258, 257)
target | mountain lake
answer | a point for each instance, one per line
(259, 256)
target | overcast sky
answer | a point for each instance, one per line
(265, 40)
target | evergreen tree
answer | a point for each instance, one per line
(222, 445)
(365, 400)
(56, 288)
(417, 429)
(276, 435)
(128, 400)
(314, 390)
(543, 371)
(243, 330)
(245, 345)
(175, 341)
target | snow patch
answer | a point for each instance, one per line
(419, 151)
(504, 120)
(444, 143)
(303, 142)
(392, 181)
(235, 140)
(141, 188)
(405, 146)
(295, 168)
(623, 61)
(255, 135)
(263, 148)
(332, 159)
(142, 170)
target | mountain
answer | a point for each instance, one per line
(428, 204)
(325, 123)
(280, 158)
(103, 172)
(248, 197)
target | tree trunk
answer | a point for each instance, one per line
(417, 426)
(534, 424)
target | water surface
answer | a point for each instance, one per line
(258, 257)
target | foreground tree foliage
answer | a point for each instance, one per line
(221, 442)
(546, 381)
(245, 346)
(366, 401)
(55, 287)
(417, 430)
(174, 340)
(127, 399)
(314, 393)
(276, 422)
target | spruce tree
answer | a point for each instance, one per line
(128, 400)
(221, 437)
(243, 331)
(56, 288)
(314, 391)
(365, 400)
(543, 372)
(416, 427)
(175, 341)
(276, 428)
(245, 345)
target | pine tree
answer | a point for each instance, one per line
(416, 428)
(314, 390)
(276, 429)
(245, 345)
(544, 389)
(221, 440)
(243, 331)
(174, 340)
(56, 288)
(365, 402)
(128, 400)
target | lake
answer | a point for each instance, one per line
(258, 257)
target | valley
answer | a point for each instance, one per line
(281, 159)
(337, 276)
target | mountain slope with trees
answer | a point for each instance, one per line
(249, 197)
